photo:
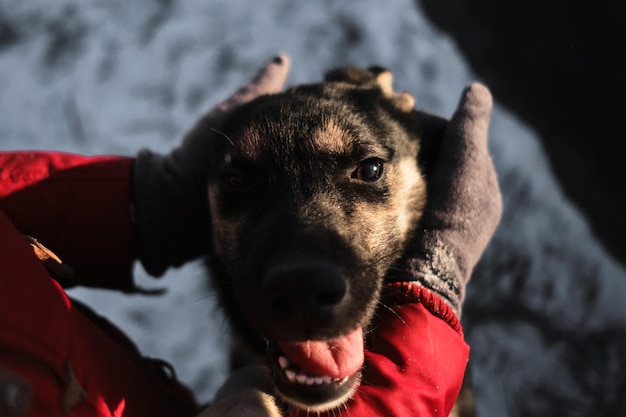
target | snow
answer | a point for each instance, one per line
(96, 77)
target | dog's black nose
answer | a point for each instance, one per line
(309, 290)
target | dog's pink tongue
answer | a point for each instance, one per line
(336, 358)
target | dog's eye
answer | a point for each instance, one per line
(235, 180)
(369, 170)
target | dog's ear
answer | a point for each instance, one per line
(355, 76)
(373, 77)
(402, 101)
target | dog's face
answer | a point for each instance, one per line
(313, 195)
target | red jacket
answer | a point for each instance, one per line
(79, 363)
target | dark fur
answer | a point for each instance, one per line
(303, 238)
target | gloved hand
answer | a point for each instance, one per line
(246, 393)
(464, 203)
(171, 213)
(423, 294)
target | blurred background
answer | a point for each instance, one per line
(545, 313)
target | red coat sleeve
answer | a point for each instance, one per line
(77, 206)
(76, 363)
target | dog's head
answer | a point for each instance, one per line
(313, 195)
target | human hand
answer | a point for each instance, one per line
(246, 393)
(464, 202)
(416, 354)
(170, 204)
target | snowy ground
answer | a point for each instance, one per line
(545, 313)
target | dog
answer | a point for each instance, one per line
(314, 194)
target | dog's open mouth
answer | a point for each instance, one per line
(318, 375)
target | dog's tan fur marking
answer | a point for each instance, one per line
(332, 139)
(250, 144)
(408, 196)
(396, 218)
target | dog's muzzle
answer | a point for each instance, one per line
(316, 362)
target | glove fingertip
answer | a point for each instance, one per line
(476, 100)
(270, 79)
(470, 122)
(281, 60)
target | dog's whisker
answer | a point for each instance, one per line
(222, 134)
(388, 308)
(371, 329)
(224, 327)
(345, 407)
(361, 392)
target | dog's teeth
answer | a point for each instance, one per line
(304, 379)
(283, 362)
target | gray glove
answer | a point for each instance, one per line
(171, 213)
(464, 201)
